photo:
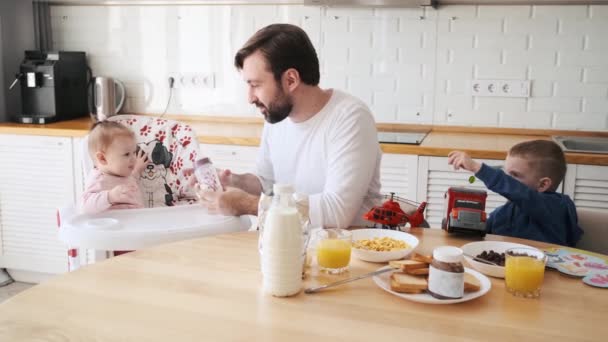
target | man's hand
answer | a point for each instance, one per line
(122, 194)
(461, 160)
(232, 202)
(141, 160)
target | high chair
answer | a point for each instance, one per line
(171, 147)
(594, 223)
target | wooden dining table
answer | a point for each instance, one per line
(209, 289)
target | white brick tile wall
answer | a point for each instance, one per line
(596, 42)
(525, 119)
(410, 65)
(585, 25)
(459, 12)
(585, 121)
(409, 13)
(499, 41)
(500, 71)
(455, 40)
(598, 12)
(595, 105)
(493, 12)
(571, 89)
(489, 104)
(596, 75)
(385, 112)
(554, 104)
(541, 57)
(385, 26)
(473, 26)
(547, 72)
(473, 118)
(542, 88)
(586, 58)
(567, 12)
(531, 26)
(557, 42)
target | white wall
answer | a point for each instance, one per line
(409, 65)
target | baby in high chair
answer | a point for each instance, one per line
(112, 184)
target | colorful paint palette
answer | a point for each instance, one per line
(597, 279)
(575, 263)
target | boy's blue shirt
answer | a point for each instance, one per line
(529, 214)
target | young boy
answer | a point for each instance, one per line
(112, 184)
(534, 170)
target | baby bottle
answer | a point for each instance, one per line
(282, 245)
(206, 175)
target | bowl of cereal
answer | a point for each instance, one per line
(382, 245)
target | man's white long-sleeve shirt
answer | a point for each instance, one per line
(333, 157)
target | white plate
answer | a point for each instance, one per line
(475, 248)
(383, 280)
(376, 256)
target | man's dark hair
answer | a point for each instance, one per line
(545, 157)
(284, 46)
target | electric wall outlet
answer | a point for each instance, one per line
(500, 88)
(193, 80)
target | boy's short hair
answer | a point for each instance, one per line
(545, 157)
(103, 132)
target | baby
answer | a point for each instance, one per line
(112, 184)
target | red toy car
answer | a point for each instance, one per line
(390, 215)
(465, 210)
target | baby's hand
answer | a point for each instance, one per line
(141, 160)
(461, 160)
(122, 194)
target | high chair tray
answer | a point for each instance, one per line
(129, 229)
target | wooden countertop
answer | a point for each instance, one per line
(480, 142)
(209, 289)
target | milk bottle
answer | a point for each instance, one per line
(282, 240)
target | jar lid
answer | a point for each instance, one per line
(447, 254)
(202, 162)
(282, 189)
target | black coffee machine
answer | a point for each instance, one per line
(53, 86)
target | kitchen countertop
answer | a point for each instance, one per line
(479, 142)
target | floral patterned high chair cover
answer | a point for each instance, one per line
(171, 147)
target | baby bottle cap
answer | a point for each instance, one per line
(201, 162)
(447, 254)
(282, 189)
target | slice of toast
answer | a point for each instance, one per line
(405, 283)
(424, 258)
(407, 265)
(471, 284)
(418, 271)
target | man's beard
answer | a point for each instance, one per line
(278, 109)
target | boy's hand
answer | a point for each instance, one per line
(461, 160)
(141, 160)
(122, 194)
(225, 176)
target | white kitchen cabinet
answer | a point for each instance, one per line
(239, 159)
(435, 176)
(399, 174)
(37, 177)
(587, 185)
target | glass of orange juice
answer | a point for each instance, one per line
(524, 271)
(333, 250)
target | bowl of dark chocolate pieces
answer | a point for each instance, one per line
(482, 255)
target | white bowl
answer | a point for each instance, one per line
(376, 256)
(475, 248)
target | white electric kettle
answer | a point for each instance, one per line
(103, 101)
